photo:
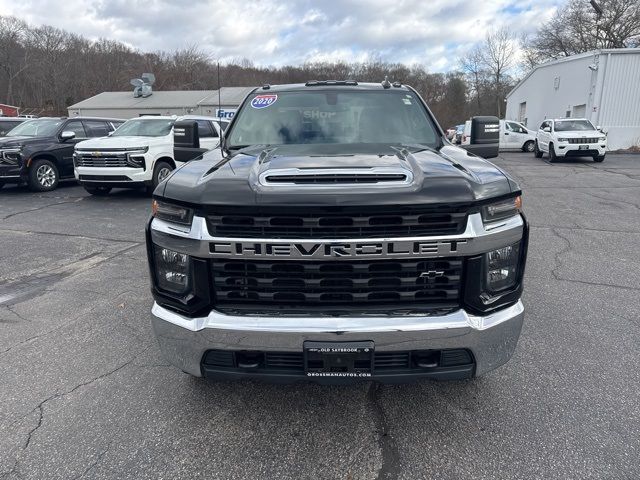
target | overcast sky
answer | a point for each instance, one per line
(276, 32)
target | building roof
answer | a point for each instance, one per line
(573, 58)
(164, 99)
(228, 96)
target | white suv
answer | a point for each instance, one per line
(138, 153)
(570, 137)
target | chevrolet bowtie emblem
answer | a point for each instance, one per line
(97, 154)
(432, 274)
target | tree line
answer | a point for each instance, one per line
(44, 69)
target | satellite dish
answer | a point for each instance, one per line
(143, 85)
(149, 78)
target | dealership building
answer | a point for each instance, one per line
(180, 102)
(602, 86)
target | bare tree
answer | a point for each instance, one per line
(498, 54)
(473, 66)
(14, 57)
(578, 28)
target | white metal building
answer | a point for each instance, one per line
(179, 102)
(603, 86)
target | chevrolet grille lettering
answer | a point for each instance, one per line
(331, 250)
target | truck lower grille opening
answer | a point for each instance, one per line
(358, 286)
(293, 362)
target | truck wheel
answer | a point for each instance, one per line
(598, 158)
(161, 171)
(98, 191)
(552, 154)
(528, 146)
(43, 176)
(536, 151)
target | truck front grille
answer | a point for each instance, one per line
(330, 286)
(102, 160)
(336, 222)
(583, 140)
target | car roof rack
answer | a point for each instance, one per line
(316, 83)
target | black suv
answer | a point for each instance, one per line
(9, 123)
(40, 151)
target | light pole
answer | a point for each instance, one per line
(598, 9)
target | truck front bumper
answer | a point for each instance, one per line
(491, 340)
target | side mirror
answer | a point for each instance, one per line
(67, 135)
(546, 129)
(485, 137)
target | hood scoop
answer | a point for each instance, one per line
(336, 176)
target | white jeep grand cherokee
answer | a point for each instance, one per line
(570, 137)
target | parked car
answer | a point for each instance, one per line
(515, 136)
(39, 152)
(570, 137)
(138, 154)
(457, 139)
(450, 133)
(8, 123)
(341, 239)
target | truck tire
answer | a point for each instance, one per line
(599, 158)
(161, 171)
(98, 191)
(528, 146)
(536, 151)
(43, 176)
(552, 154)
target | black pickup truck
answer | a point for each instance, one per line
(337, 236)
(39, 152)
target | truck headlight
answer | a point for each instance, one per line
(172, 270)
(501, 268)
(171, 213)
(602, 139)
(135, 161)
(11, 154)
(502, 209)
(563, 140)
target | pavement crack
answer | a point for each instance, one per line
(390, 468)
(41, 410)
(558, 260)
(93, 464)
(72, 235)
(597, 284)
(42, 208)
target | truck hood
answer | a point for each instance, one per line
(9, 142)
(450, 175)
(124, 142)
(580, 134)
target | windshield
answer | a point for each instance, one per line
(146, 127)
(333, 117)
(43, 127)
(571, 125)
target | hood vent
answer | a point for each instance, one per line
(336, 176)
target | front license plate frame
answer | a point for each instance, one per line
(583, 147)
(338, 359)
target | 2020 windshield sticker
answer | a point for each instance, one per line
(264, 101)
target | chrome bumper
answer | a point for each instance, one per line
(492, 338)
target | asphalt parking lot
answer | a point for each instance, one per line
(84, 392)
